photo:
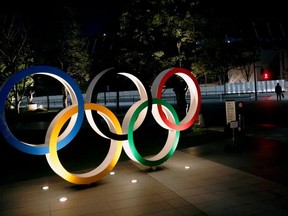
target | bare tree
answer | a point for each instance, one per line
(247, 71)
(15, 55)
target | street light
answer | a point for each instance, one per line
(255, 79)
(255, 82)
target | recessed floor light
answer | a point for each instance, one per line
(46, 187)
(187, 167)
(63, 199)
(134, 181)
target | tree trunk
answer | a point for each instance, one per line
(180, 92)
(48, 102)
(65, 100)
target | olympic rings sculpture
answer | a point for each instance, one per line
(120, 135)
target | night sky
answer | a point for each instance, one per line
(95, 16)
(102, 16)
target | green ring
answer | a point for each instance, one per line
(134, 117)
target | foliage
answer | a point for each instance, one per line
(218, 57)
(15, 54)
(73, 57)
(158, 34)
(65, 48)
(55, 41)
(161, 34)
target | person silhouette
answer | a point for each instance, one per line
(278, 91)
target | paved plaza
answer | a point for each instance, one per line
(201, 178)
(185, 185)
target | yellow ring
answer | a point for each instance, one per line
(105, 167)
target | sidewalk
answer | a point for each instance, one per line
(215, 183)
(250, 181)
(206, 188)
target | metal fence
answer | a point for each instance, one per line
(266, 86)
(207, 92)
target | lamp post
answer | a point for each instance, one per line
(255, 82)
(255, 78)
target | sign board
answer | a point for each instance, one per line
(230, 111)
(233, 124)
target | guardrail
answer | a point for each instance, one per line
(236, 91)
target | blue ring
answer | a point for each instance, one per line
(7, 87)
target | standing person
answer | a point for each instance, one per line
(278, 91)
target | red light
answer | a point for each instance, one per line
(266, 75)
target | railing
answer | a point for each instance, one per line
(241, 91)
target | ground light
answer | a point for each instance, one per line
(46, 187)
(63, 199)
